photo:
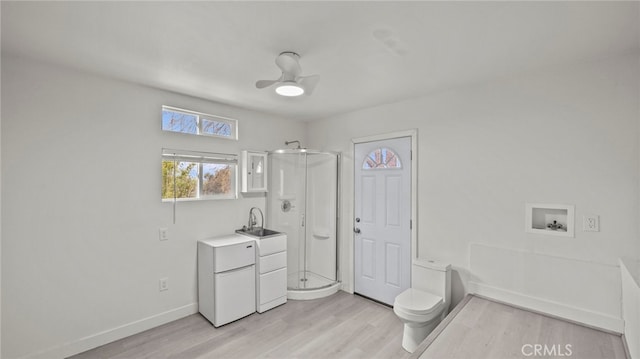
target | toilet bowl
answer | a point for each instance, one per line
(420, 312)
(425, 304)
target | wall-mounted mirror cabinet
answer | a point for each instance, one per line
(254, 171)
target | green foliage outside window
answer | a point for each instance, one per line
(186, 184)
(216, 179)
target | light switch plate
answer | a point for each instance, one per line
(163, 284)
(164, 234)
(590, 223)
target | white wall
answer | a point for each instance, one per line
(559, 135)
(580, 290)
(81, 204)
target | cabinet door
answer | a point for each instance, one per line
(273, 285)
(254, 171)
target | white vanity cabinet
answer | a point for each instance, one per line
(271, 272)
(254, 171)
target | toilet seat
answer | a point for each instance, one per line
(417, 302)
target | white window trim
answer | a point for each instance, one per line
(201, 158)
(200, 115)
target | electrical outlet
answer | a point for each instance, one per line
(164, 284)
(590, 223)
(164, 234)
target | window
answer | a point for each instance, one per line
(381, 158)
(189, 175)
(196, 123)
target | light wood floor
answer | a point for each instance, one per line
(339, 326)
(486, 329)
(348, 326)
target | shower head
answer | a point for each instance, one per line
(287, 143)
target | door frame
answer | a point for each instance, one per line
(413, 134)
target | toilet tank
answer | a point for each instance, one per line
(432, 276)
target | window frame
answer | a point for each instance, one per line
(384, 164)
(233, 124)
(201, 158)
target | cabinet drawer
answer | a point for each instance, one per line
(272, 262)
(272, 245)
(273, 285)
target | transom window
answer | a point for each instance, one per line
(381, 158)
(196, 123)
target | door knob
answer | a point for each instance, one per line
(356, 230)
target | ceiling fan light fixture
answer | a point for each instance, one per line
(289, 89)
(290, 83)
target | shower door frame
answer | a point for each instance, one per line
(338, 157)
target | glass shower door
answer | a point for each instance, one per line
(287, 204)
(320, 233)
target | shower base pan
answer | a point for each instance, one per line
(307, 286)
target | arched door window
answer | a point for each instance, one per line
(381, 158)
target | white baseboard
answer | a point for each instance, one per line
(110, 335)
(578, 315)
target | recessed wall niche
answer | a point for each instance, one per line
(550, 219)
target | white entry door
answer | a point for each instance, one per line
(382, 223)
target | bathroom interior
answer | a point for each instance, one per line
(441, 158)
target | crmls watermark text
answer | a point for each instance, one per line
(539, 350)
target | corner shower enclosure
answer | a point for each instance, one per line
(302, 201)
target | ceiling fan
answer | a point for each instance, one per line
(290, 82)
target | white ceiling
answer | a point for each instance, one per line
(367, 53)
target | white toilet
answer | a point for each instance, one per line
(426, 303)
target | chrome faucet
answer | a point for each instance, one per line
(252, 218)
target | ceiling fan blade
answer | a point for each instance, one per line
(308, 83)
(265, 83)
(288, 63)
